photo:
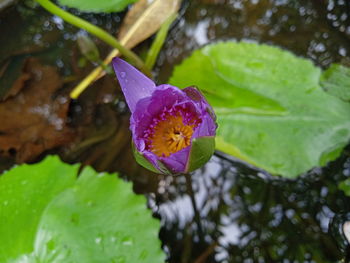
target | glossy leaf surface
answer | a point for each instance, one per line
(336, 81)
(95, 218)
(270, 107)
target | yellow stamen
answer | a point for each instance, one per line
(170, 136)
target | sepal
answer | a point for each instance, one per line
(202, 149)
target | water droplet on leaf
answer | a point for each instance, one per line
(98, 240)
(127, 241)
(119, 259)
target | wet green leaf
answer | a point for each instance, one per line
(336, 81)
(95, 218)
(106, 6)
(270, 107)
(25, 192)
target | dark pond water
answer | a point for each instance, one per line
(241, 214)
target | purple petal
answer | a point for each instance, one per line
(195, 95)
(140, 118)
(176, 162)
(165, 96)
(135, 85)
(208, 125)
(206, 128)
(152, 158)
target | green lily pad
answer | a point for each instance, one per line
(270, 107)
(25, 192)
(47, 215)
(106, 6)
(336, 81)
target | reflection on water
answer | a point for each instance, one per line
(250, 216)
(243, 214)
(319, 30)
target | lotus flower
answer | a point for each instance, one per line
(173, 130)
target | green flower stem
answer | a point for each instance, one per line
(95, 30)
(159, 41)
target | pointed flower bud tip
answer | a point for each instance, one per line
(173, 130)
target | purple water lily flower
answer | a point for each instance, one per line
(173, 130)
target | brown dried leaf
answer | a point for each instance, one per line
(10, 82)
(144, 19)
(17, 86)
(133, 14)
(34, 120)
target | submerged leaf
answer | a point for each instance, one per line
(11, 77)
(88, 48)
(270, 107)
(47, 215)
(345, 186)
(34, 119)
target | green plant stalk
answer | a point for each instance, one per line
(158, 42)
(95, 30)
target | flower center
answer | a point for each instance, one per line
(170, 134)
